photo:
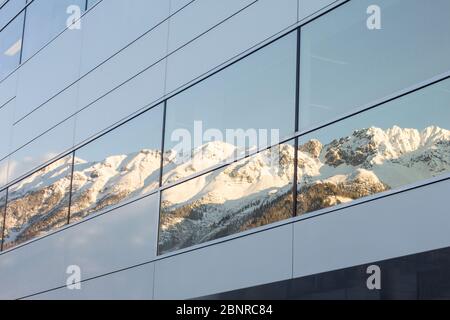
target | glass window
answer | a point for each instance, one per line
(10, 46)
(399, 143)
(9, 10)
(249, 193)
(245, 106)
(3, 171)
(38, 204)
(44, 20)
(122, 164)
(91, 3)
(344, 65)
(2, 214)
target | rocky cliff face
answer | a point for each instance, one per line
(246, 194)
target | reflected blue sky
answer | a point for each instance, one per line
(45, 19)
(10, 45)
(143, 132)
(257, 92)
(9, 10)
(344, 65)
(419, 110)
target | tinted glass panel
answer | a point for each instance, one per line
(91, 3)
(118, 166)
(250, 193)
(10, 46)
(45, 19)
(38, 204)
(249, 104)
(344, 65)
(9, 10)
(399, 143)
(3, 171)
(2, 212)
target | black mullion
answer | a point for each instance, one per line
(23, 33)
(297, 114)
(4, 220)
(297, 85)
(71, 187)
(163, 138)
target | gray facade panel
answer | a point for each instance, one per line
(402, 224)
(48, 72)
(136, 283)
(258, 22)
(256, 259)
(117, 25)
(309, 7)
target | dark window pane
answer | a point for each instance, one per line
(344, 65)
(399, 143)
(10, 46)
(9, 10)
(2, 212)
(245, 106)
(38, 204)
(249, 193)
(45, 19)
(122, 164)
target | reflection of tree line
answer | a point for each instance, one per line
(253, 213)
(34, 214)
(323, 195)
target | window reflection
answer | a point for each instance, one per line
(248, 105)
(3, 171)
(9, 9)
(250, 193)
(2, 214)
(344, 65)
(91, 3)
(11, 45)
(45, 19)
(118, 166)
(399, 143)
(38, 204)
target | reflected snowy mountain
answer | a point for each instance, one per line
(249, 193)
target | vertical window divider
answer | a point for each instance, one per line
(23, 32)
(297, 111)
(159, 222)
(70, 187)
(161, 174)
(4, 220)
(162, 143)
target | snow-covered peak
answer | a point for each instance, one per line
(373, 146)
(178, 166)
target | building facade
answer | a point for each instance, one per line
(176, 149)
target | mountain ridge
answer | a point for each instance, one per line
(368, 161)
